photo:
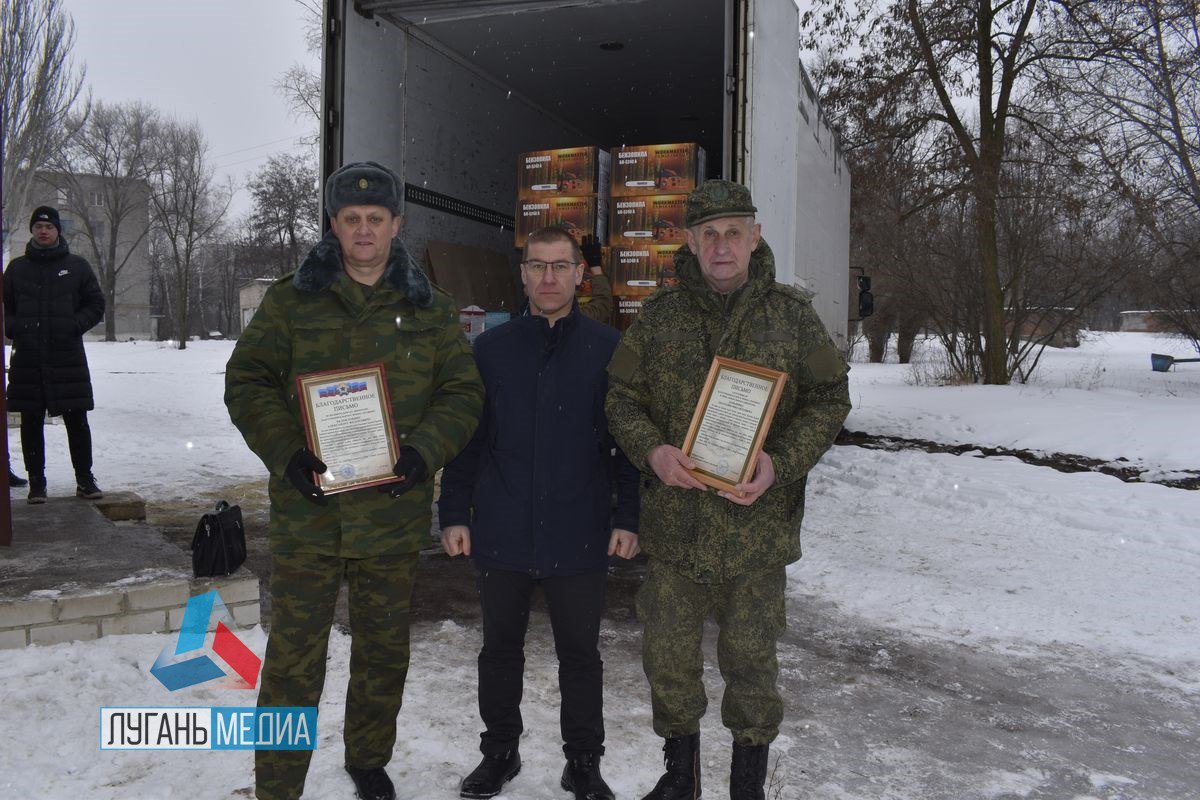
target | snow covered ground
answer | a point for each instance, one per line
(944, 603)
(1100, 400)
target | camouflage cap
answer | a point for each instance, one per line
(363, 183)
(714, 199)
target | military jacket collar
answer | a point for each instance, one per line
(323, 265)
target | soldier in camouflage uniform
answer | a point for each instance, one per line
(357, 298)
(715, 554)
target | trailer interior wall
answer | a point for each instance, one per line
(450, 92)
(441, 125)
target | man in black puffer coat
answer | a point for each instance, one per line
(51, 298)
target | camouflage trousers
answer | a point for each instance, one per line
(304, 591)
(749, 612)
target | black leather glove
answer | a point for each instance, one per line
(411, 470)
(299, 471)
(592, 253)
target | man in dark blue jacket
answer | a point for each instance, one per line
(529, 501)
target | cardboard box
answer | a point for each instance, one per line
(473, 275)
(628, 308)
(579, 215)
(648, 219)
(637, 270)
(567, 172)
(658, 168)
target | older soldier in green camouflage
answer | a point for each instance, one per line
(716, 554)
(358, 298)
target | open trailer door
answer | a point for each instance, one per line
(768, 120)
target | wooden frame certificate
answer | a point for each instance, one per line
(731, 422)
(348, 423)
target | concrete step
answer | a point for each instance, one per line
(74, 574)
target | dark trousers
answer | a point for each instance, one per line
(33, 442)
(304, 592)
(575, 603)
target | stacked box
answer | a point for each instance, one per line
(658, 169)
(647, 219)
(641, 270)
(568, 171)
(636, 273)
(567, 187)
(628, 308)
(579, 215)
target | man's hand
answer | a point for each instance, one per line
(764, 478)
(592, 254)
(299, 470)
(623, 543)
(411, 470)
(456, 540)
(671, 466)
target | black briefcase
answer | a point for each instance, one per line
(219, 545)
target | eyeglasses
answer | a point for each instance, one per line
(556, 267)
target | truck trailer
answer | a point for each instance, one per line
(449, 92)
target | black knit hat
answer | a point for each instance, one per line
(363, 183)
(46, 214)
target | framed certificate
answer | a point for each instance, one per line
(347, 417)
(731, 421)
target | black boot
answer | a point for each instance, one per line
(581, 775)
(372, 784)
(488, 779)
(37, 489)
(748, 773)
(15, 480)
(85, 487)
(682, 779)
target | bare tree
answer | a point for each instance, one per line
(300, 84)
(39, 85)
(102, 172)
(888, 188)
(960, 74)
(224, 266)
(1070, 242)
(285, 217)
(229, 271)
(188, 206)
(1141, 104)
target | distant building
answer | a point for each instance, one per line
(250, 295)
(1059, 327)
(1146, 322)
(133, 318)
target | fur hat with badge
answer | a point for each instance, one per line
(364, 183)
(46, 214)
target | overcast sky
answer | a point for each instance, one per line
(215, 61)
